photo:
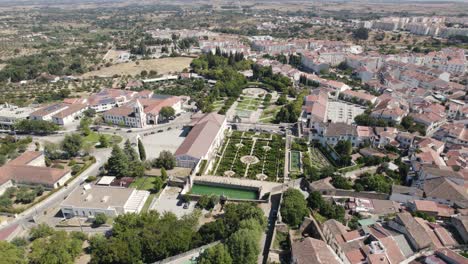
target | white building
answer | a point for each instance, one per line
(10, 114)
(87, 201)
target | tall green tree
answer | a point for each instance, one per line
(244, 247)
(141, 150)
(85, 122)
(166, 112)
(117, 164)
(294, 207)
(130, 151)
(103, 141)
(165, 160)
(215, 255)
(11, 254)
(72, 144)
(59, 248)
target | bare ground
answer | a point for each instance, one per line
(162, 66)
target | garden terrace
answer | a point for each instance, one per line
(256, 156)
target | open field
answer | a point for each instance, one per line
(161, 66)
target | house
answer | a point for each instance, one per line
(89, 200)
(404, 194)
(206, 135)
(29, 169)
(460, 222)
(429, 172)
(413, 231)
(361, 97)
(454, 133)
(332, 133)
(333, 232)
(444, 191)
(431, 208)
(430, 121)
(450, 257)
(310, 250)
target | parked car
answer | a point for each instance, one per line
(129, 131)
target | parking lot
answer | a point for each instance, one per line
(168, 202)
(162, 140)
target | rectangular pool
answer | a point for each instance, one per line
(230, 192)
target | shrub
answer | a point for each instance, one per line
(100, 219)
(91, 179)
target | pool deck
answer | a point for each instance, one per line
(263, 186)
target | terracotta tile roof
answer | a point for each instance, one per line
(378, 259)
(443, 188)
(32, 174)
(202, 135)
(25, 158)
(449, 255)
(393, 250)
(18, 171)
(310, 250)
(414, 229)
(124, 110)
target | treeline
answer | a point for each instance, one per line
(276, 81)
(44, 245)
(32, 66)
(224, 68)
(151, 237)
(292, 111)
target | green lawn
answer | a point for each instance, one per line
(93, 138)
(148, 202)
(143, 183)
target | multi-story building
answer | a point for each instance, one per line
(10, 114)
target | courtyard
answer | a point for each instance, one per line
(165, 140)
(257, 156)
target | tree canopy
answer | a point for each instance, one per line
(294, 207)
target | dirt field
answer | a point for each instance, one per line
(162, 66)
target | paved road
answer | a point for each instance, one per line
(23, 218)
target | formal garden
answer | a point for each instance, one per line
(257, 156)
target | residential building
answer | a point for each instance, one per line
(405, 194)
(413, 231)
(90, 200)
(310, 250)
(460, 222)
(361, 97)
